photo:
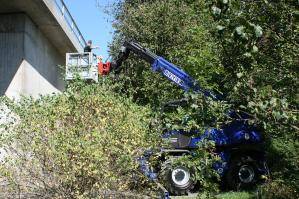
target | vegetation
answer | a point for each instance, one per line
(86, 139)
(247, 50)
(74, 144)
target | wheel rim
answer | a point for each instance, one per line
(246, 174)
(180, 177)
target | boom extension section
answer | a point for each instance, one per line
(162, 66)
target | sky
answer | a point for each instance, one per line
(93, 23)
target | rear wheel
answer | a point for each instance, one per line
(242, 173)
(176, 179)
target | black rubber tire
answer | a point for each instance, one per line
(239, 175)
(165, 176)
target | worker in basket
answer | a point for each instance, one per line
(89, 47)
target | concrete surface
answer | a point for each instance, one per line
(11, 47)
(20, 39)
(45, 14)
(30, 82)
(37, 32)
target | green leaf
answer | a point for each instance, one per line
(225, 1)
(240, 30)
(220, 28)
(239, 75)
(258, 31)
(216, 11)
(247, 54)
(255, 49)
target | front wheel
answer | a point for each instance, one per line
(242, 173)
(176, 179)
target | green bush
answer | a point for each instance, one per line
(247, 50)
(259, 44)
(278, 190)
(68, 145)
(173, 29)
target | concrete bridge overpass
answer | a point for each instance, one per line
(34, 37)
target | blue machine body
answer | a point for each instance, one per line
(224, 139)
(237, 136)
(179, 77)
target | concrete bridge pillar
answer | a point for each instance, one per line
(35, 35)
(28, 61)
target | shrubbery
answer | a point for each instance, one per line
(247, 50)
(74, 143)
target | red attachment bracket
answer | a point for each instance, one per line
(104, 68)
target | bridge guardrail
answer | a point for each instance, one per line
(70, 21)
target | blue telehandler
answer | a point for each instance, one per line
(240, 146)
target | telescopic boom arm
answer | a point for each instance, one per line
(162, 66)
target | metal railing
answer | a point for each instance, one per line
(70, 21)
(83, 65)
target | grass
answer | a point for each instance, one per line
(226, 195)
(235, 195)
